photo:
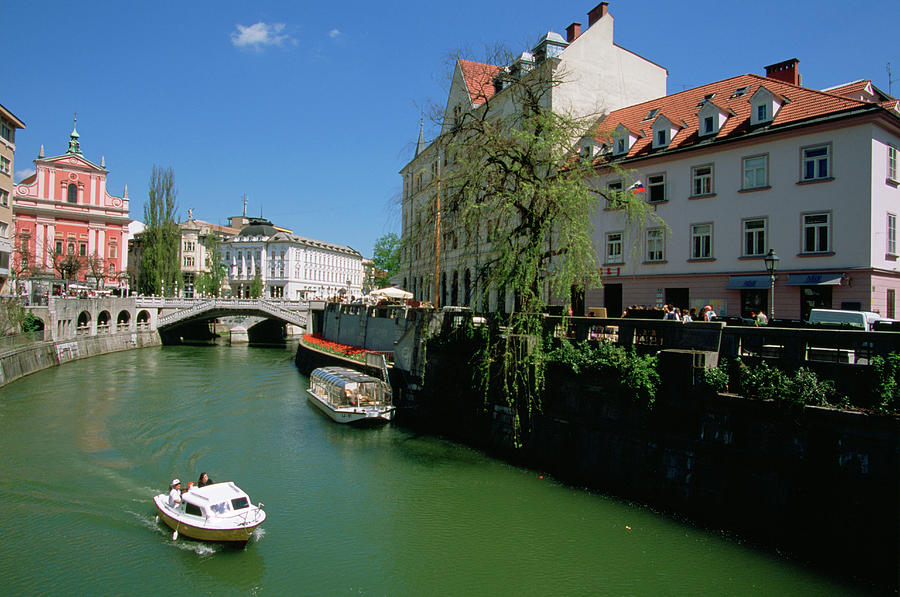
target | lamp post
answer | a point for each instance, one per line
(771, 260)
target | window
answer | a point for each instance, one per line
(661, 138)
(3, 228)
(891, 303)
(754, 234)
(4, 165)
(59, 247)
(620, 146)
(112, 251)
(656, 185)
(7, 132)
(188, 246)
(614, 247)
(756, 172)
(708, 125)
(72, 193)
(656, 244)
(651, 114)
(762, 112)
(4, 198)
(892, 234)
(740, 91)
(702, 180)
(892, 163)
(701, 241)
(82, 249)
(815, 233)
(188, 262)
(816, 163)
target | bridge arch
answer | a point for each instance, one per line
(84, 321)
(123, 320)
(103, 321)
(143, 319)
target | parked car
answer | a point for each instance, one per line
(835, 318)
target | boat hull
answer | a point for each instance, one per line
(191, 527)
(352, 414)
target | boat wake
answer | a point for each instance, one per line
(153, 523)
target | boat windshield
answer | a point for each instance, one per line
(240, 503)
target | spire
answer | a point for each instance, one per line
(41, 152)
(73, 138)
(125, 194)
(245, 204)
(103, 161)
(420, 144)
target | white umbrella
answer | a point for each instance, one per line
(391, 292)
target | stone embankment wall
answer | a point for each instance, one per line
(819, 483)
(25, 360)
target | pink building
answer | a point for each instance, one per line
(65, 209)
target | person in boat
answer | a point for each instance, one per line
(204, 480)
(174, 493)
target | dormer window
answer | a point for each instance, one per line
(622, 140)
(621, 145)
(711, 118)
(663, 132)
(764, 105)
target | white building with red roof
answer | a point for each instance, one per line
(746, 165)
(592, 75)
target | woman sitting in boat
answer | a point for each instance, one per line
(174, 493)
(204, 480)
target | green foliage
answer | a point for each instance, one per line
(634, 374)
(209, 282)
(160, 267)
(802, 388)
(887, 382)
(31, 323)
(256, 287)
(716, 378)
(386, 257)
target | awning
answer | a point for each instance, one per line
(814, 279)
(748, 282)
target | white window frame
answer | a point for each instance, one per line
(702, 183)
(892, 164)
(751, 169)
(815, 163)
(702, 241)
(615, 243)
(5, 165)
(762, 112)
(4, 198)
(818, 229)
(658, 183)
(709, 125)
(891, 234)
(655, 245)
(756, 236)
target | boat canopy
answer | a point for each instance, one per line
(342, 387)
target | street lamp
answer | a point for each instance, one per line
(771, 260)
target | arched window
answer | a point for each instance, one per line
(72, 193)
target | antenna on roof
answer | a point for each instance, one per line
(890, 80)
(244, 198)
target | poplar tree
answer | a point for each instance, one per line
(160, 268)
(209, 282)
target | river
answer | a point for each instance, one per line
(351, 511)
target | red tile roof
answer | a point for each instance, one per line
(849, 88)
(681, 108)
(479, 80)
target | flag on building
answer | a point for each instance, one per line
(637, 187)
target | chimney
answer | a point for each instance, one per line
(573, 31)
(598, 12)
(786, 71)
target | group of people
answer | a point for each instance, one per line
(673, 313)
(175, 490)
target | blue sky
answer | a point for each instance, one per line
(312, 109)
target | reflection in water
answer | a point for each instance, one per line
(366, 511)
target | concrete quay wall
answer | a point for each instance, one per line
(818, 483)
(28, 359)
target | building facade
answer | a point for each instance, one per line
(65, 210)
(193, 253)
(290, 266)
(742, 166)
(590, 74)
(8, 125)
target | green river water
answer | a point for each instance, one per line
(351, 511)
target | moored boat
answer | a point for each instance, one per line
(348, 396)
(220, 512)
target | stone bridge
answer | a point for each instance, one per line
(67, 318)
(173, 312)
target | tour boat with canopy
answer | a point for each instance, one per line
(217, 512)
(348, 396)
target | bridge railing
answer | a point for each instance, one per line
(16, 341)
(289, 311)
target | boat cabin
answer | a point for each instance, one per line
(215, 501)
(343, 387)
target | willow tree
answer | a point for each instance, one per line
(515, 186)
(160, 267)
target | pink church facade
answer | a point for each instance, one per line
(65, 208)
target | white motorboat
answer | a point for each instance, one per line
(217, 512)
(348, 396)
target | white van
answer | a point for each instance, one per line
(835, 318)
